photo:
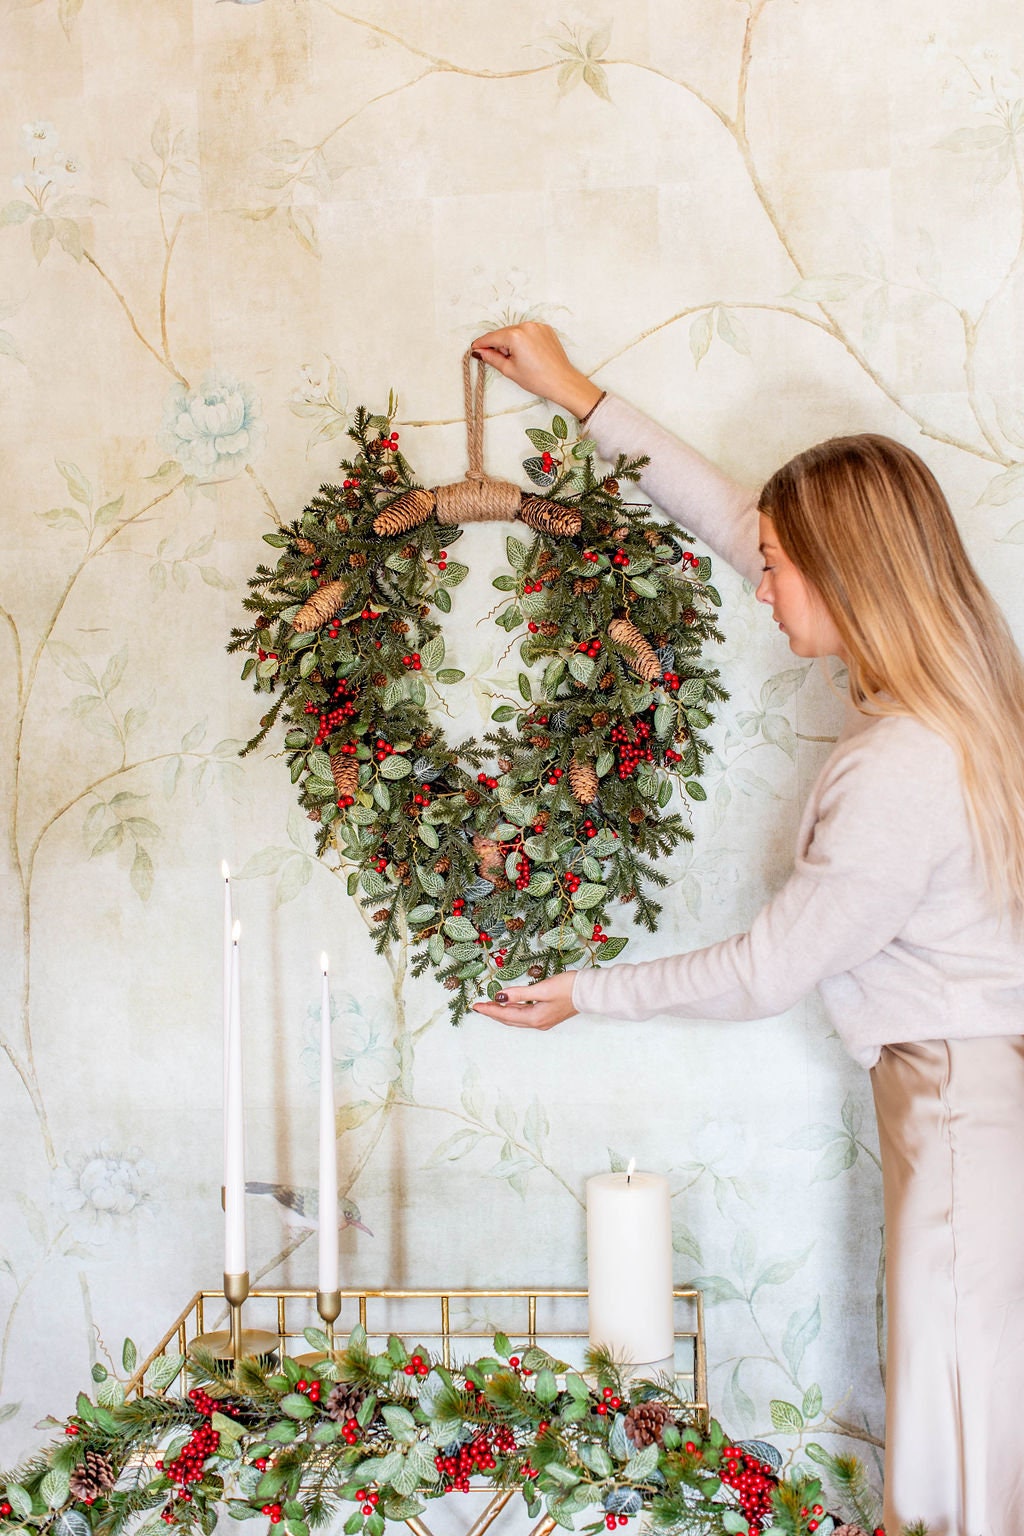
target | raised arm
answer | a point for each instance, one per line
(679, 480)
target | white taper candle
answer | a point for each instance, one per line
(234, 1128)
(327, 1272)
(228, 927)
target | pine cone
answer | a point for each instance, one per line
(408, 551)
(536, 971)
(316, 676)
(637, 815)
(473, 797)
(389, 476)
(611, 485)
(607, 681)
(490, 861)
(621, 532)
(604, 529)
(342, 523)
(642, 658)
(315, 814)
(540, 741)
(345, 1401)
(305, 546)
(590, 584)
(452, 983)
(545, 557)
(583, 782)
(505, 764)
(345, 770)
(357, 560)
(541, 820)
(442, 866)
(402, 871)
(381, 915)
(93, 1478)
(652, 536)
(399, 627)
(549, 629)
(601, 719)
(689, 617)
(423, 739)
(404, 513)
(645, 1424)
(323, 605)
(583, 728)
(577, 588)
(550, 517)
(513, 924)
(352, 499)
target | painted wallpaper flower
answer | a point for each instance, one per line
(225, 225)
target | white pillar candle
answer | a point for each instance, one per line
(629, 1265)
(327, 1271)
(228, 927)
(234, 1127)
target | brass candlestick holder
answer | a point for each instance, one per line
(328, 1305)
(234, 1343)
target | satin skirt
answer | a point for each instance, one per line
(951, 1128)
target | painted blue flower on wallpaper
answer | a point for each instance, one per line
(215, 431)
(359, 1047)
(100, 1189)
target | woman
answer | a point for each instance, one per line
(905, 908)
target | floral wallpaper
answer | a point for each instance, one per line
(227, 224)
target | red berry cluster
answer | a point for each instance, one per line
(611, 1521)
(413, 661)
(442, 560)
(589, 647)
(598, 936)
(620, 557)
(572, 881)
(367, 613)
(689, 558)
(5, 1509)
(458, 906)
(547, 462)
(670, 680)
(487, 780)
(72, 1429)
(267, 655)
(310, 1389)
(524, 870)
(672, 756)
(499, 957)
(350, 1431)
(341, 708)
(817, 1510)
(417, 1366)
(368, 1498)
(351, 485)
(422, 795)
(610, 1399)
(533, 586)
(383, 749)
(483, 937)
(274, 1511)
(591, 555)
(203, 1403)
(630, 753)
(187, 1466)
(478, 1456)
(589, 830)
(753, 1481)
(555, 775)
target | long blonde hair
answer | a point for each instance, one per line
(865, 521)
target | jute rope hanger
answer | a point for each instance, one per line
(478, 497)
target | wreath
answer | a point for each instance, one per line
(383, 1432)
(501, 857)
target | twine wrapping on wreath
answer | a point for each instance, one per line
(479, 498)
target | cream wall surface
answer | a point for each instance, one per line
(765, 221)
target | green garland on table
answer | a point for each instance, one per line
(509, 869)
(383, 1433)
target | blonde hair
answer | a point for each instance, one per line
(865, 521)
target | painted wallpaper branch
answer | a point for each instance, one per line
(229, 223)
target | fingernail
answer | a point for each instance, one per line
(476, 354)
(501, 997)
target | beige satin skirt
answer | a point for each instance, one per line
(951, 1127)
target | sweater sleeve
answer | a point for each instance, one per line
(863, 872)
(682, 483)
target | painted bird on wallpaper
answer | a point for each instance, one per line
(302, 1205)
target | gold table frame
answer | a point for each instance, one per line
(191, 1322)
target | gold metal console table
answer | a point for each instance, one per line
(537, 1315)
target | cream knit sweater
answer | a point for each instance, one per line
(886, 911)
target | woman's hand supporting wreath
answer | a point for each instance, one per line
(532, 356)
(541, 1006)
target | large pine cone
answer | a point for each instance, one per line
(93, 1478)
(345, 1401)
(323, 605)
(642, 658)
(405, 512)
(645, 1424)
(550, 517)
(583, 781)
(345, 770)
